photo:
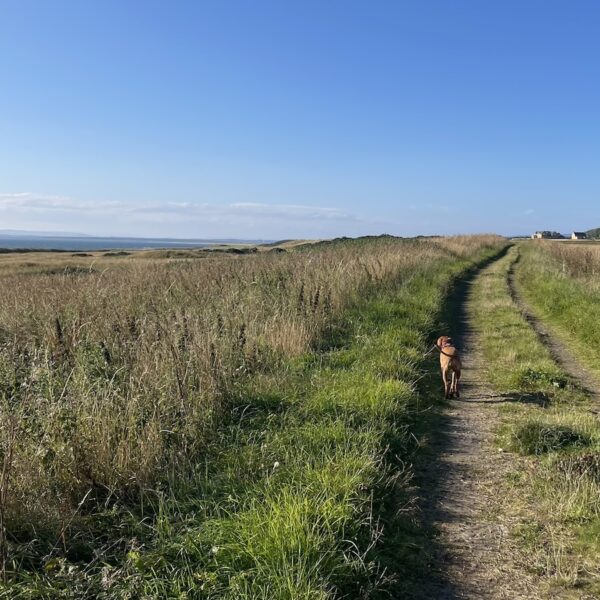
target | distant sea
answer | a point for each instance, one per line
(107, 243)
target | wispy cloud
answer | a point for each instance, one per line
(24, 207)
(243, 209)
(30, 201)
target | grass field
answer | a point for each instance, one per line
(235, 426)
(562, 282)
(552, 495)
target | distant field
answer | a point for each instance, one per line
(563, 281)
(32, 260)
(204, 423)
(569, 241)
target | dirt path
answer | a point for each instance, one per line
(558, 350)
(471, 552)
(465, 473)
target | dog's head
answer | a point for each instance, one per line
(444, 341)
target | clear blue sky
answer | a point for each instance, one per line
(299, 119)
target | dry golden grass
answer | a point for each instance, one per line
(580, 260)
(115, 369)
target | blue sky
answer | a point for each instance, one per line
(299, 119)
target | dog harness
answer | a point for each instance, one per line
(446, 344)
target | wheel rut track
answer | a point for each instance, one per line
(558, 350)
(471, 552)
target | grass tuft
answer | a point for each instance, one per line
(535, 437)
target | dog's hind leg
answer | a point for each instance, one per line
(457, 386)
(446, 383)
(454, 384)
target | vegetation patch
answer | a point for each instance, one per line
(225, 449)
(581, 466)
(67, 270)
(517, 361)
(535, 437)
(561, 281)
(528, 378)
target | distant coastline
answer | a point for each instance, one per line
(75, 243)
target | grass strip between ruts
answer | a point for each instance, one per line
(552, 494)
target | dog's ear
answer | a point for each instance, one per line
(440, 341)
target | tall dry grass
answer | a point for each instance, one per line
(580, 260)
(113, 378)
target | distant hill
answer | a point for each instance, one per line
(593, 234)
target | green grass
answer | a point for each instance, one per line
(566, 295)
(303, 491)
(535, 437)
(553, 500)
(519, 363)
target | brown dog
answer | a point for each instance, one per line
(450, 363)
